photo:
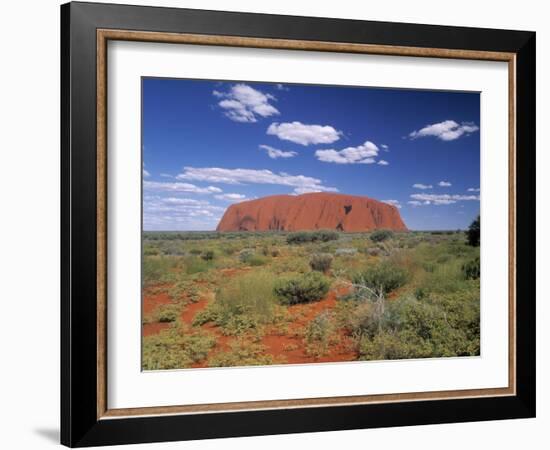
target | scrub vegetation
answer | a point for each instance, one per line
(237, 299)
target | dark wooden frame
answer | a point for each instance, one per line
(85, 418)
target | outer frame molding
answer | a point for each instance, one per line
(85, 419)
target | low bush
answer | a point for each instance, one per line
(345, 251)
(321, 262)
(175, 348)
(302, 289)
(301, 237)
(157, 270)
(381, 235)
(167, 313)
(194, 264)
(242, 353)
(380, 279)
(243, 304)
(471, 269)
(246, 254)
(208, 255)
(319, 334)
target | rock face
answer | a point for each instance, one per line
(311, 212)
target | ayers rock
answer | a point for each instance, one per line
(311, 212)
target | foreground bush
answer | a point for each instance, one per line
(319, 334)
(380, 279)
(157, 270)
(242, 353)
(302, 289)
(244, 304)
(471, 269)
(175, 348)
(301, 237)
(321, 262)
(381, 235)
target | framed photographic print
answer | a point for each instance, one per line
(277, 224)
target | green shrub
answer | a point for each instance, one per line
(381, 279)
(242, 353)
(471, 269)
(473, 232)
(246, 254)
(301, 237)
(302, 289)
(193, 265)
(381, 235)
(208, 255)
(167, 313)
(321, 262)
(175, 348)
(318, 334)
(157, 270)
(243, 304)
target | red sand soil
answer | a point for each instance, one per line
(287, 345)
(311, 211)
(291, 346)
(152, 301)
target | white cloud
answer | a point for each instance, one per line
(243, 103)
(274, 153)
(414, 202)
(383, 162)
(385, 147)
(146, 173)
(422, 186)
(252, 176)
(231, 197)
(281, 87)
(362, 154)
(448, 130)
(444, 184)
(304, 134)
(172, 213)
(166, 175)
(393, 203)
(473, 189)
(179, 187)
(443, 199)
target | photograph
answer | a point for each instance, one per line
(297, 224)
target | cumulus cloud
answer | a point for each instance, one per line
(274, 153)
(473, 189)
(173, 213)
(444, 184)
(303, 134)
(422, 186)
(231, 197)
(448, 130)
(300, 183)
(243, 103)
(362, 154)
(383, 162)
(393, 203)
(443, 199)
(160, 186)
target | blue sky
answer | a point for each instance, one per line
(207, 144)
